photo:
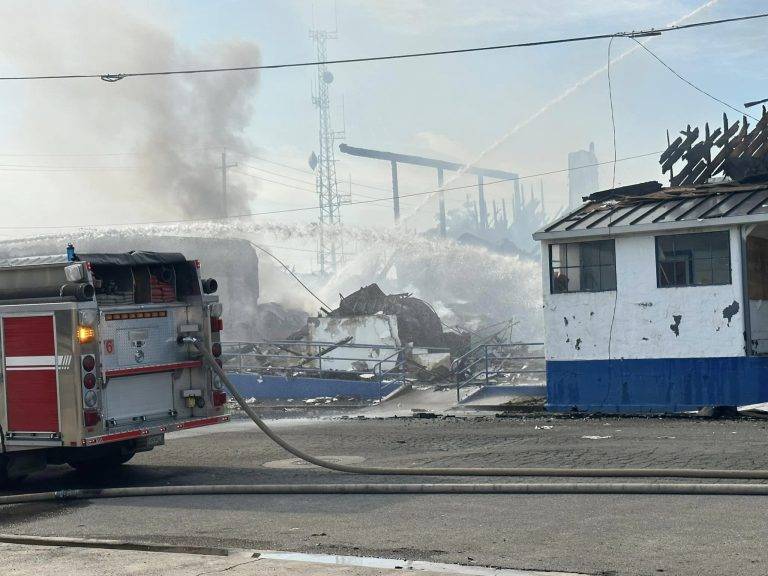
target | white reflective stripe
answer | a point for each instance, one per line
(12, 361)
(29, 368)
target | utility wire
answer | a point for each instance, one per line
(309, 172)
(262, 179)
(633, 34)
(613, 118)
(691, 84)
(294, 187)
(308, 208)
(42, 168)
(291, 272)
(293, 178)
(252, 167)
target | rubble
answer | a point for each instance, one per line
(417, 322)
(276, 322)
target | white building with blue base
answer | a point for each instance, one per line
(656, 299)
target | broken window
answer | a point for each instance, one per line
(582, 267)
(702, 259)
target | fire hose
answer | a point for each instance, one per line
(646, 488)
(389, 471)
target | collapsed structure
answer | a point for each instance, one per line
(656, 299)
(384, 322)
(417, 322)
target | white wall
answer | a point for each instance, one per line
(378, 330)
(578, 325)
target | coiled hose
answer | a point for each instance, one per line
(647, 488)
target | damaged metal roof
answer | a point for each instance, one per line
(649, 207)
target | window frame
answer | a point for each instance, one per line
(689, 260)
(599, 268)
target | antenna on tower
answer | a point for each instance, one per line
(323, 163)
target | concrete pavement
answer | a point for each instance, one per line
(43, 560)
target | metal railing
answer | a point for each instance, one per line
(315, 359)
(491, 364)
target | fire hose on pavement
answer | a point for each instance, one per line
(648, 488)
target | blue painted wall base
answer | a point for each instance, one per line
(273, 387)
(656, 385)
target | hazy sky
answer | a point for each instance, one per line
(450, 106)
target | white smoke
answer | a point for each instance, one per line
(164, 132)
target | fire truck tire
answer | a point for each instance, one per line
(105, 463)
(3, 471)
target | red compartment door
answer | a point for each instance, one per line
(29, 352)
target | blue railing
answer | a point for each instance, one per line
(301, 359)
(491, 364)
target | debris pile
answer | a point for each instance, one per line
(417, 322)
(276, 322)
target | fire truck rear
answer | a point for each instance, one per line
(94, 367)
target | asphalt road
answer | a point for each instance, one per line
(630, 535)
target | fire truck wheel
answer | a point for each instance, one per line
(105, 463)
(3, 471)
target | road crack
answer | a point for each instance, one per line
(228, 567)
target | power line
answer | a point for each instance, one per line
(613, 118)
(572, 39)
(68, 154)
(383, 198)
(291, 272)
(98, 154)
(49, 168)
(261, 178)
(294, 187)
(43, 169)
(252, 167)
(691, 84)
(306, 208)
(308, 172)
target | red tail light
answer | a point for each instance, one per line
(89, 381)
(216, 349)
(91, 418)
(217, 324)
(219, 398)
(89, 363)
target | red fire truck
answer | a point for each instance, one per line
(94, 367)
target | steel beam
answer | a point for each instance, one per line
(424, 161)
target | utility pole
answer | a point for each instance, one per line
(224, 168)
(395, 192)
(441, 196)
(481, 201)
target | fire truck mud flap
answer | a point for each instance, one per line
(147, 443)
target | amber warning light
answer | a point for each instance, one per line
(85, 334)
